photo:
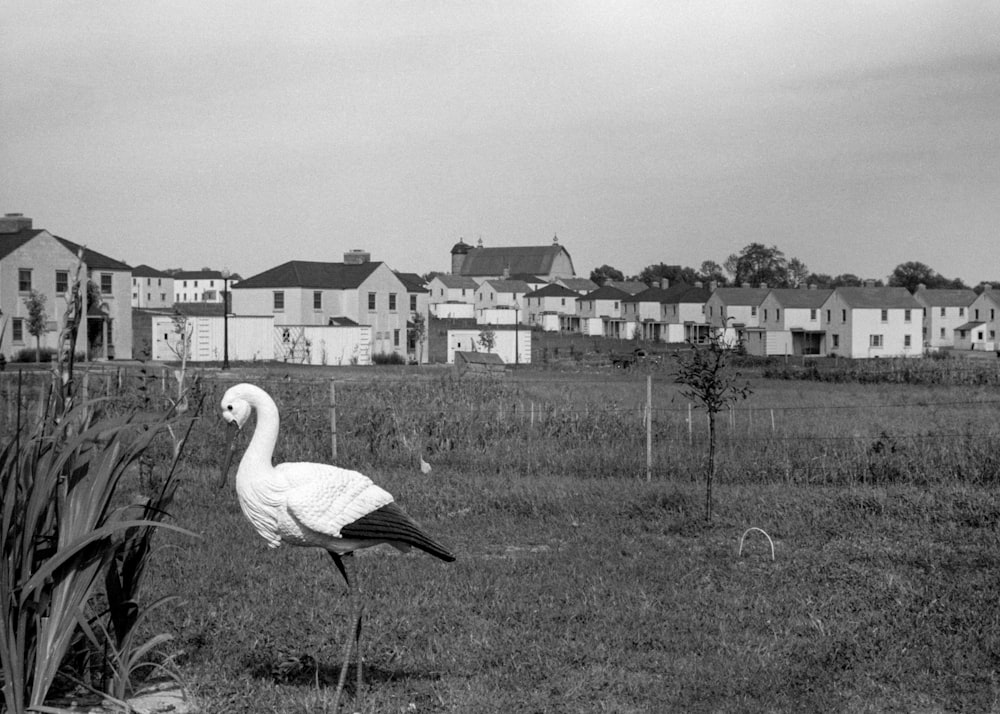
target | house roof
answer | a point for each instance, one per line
(579, 284)
(9, 242)
(878, 298)
(204, 275)
(413, 282)
(970, 325)
(631, 287)
(145, 271)
(947, 297)
(509, 286)
(742, 296)
(801, 297)
(92, 258)
(533, 259)
(200, 309)
(553, 290)
(449, 280)
(687, 294)
(606, 292)
(309, 274)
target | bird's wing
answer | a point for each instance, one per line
(325, 498)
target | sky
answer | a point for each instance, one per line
(853, 136)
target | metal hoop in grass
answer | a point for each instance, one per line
(755, 528)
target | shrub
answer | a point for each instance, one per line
(388, 358)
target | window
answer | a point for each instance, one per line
(279, 300)
(765, 314)
(906, 341)
(317, 300)
(24, 281)
(185, 283)
(777, 314)
(885, 316)
(828, 318)
(62, 281)
(395, 338)
(163, 296)
(371, 301)
(907, 315)
(392, 302)
(148, 280)
(875, 341)
(993, 315)
(413, 303)
(942, 333)
(753, 312)
(812, 314)
(836, 341)
(105, 283)
(977, 314)
(961, 312)
(17, 329)
(843, 315)
(942, 312)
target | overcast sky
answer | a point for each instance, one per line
(852, 135)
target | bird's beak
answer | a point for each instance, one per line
(234, 430)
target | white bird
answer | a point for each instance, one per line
(310, 504)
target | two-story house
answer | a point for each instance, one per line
(683, 313)
(496, 297)
(645, 310)
(35, 259)
(865, 322)
(581, 286)
(600, 313)
(980, 332)
(945, 311)
(452, 296)
(202, 285)
(791, 323)
(313, 293)
(547, 306)
(151, 288)
(732, 311)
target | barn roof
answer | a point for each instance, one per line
(532, 259)
(309, 274)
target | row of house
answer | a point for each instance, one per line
(325, 312)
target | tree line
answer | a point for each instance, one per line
(759, 264)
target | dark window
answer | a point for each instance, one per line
(395, 338)
(24, 280)
(318, 300)
(413, 303)
(105, 283)
(279, 300)
(62, 281)
(392, 302)
(371, 301)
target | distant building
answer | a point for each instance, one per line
(151, 288)
(945, 310)
(202, 285)
(545, 262)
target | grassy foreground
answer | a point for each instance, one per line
(603, 595)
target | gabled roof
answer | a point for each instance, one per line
(687, 294)
(631, 287)
(553, 290)
(9, 242)
(947, 297)
(878, 298)
(811, 298)
(200, 309)
(970, 325)
(92, 258)
(450, 280)
(533, 259)
(341, 322)
(991, 295)
(584, 285)
(309, 274)
(653, 294)
(145, 271)
(204, 275)
(606, 292)
(508, 286)
(742, 296)
(413, 282)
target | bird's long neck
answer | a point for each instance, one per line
(265, 434)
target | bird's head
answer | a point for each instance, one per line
(235, 409)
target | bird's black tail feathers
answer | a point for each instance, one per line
(390, 522)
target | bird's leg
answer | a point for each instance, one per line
(345, 564)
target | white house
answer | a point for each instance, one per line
(513, 345)
(151, 288)
(545, 306)
(945, 311)
(734, 311)
(980, 332)
(202, 285)
(791, 323)
(600, 313)
(313, 293)
(494, 293)
(452, 288)
(683, 313)
(873, 322)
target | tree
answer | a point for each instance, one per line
(847, 280)
(758, 264)
(35, 303)
(417, 334)
(911, 274)
(605, 273)
(713, 272)
(653, 274)
(798, 273)
(706, 378)
(487, 338)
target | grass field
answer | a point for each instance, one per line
(592, 590)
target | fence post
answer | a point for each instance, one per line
(333, 419)
(649, 427)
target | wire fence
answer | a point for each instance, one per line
(628, 426)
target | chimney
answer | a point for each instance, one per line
(921, 286)
(14, 223)
(357, 257)
(664, 283)
(764, 285)
(506, 272)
